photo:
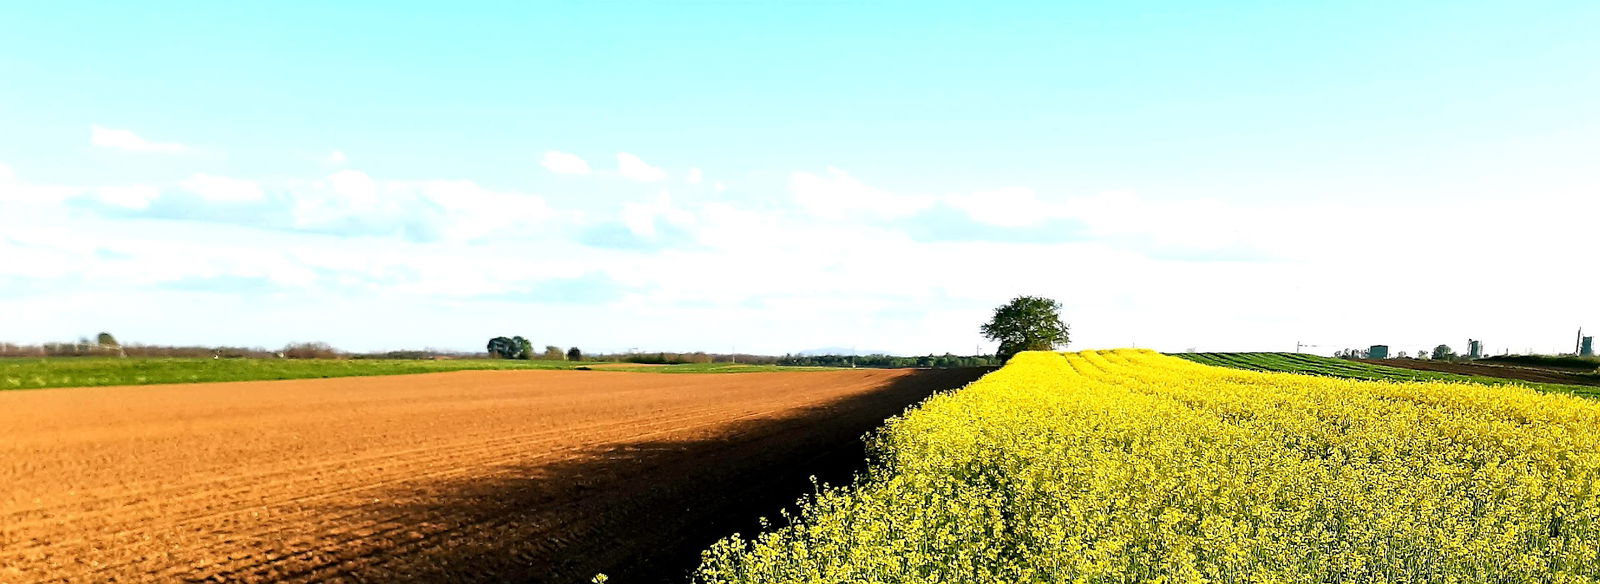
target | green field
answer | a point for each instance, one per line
(39, 373)
(1346, 369)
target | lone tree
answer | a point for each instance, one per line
(1027, 323)
(574, 354)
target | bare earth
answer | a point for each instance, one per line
(472, 476)
(1506, 371)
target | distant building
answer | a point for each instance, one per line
(1587, 350)
(1378, 352)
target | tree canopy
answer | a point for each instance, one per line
(1444, 352)
(508, 348)
(1027, 323)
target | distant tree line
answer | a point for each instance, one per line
(514, 347)
(1439, 353)
(291, 351)
(106, 345)
(891, 361)
(520, 348)
(674, 358)
(875, 361)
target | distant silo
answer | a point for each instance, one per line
(1378, 352)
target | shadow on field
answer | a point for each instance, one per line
(642, 511)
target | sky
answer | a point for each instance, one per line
(778, 177)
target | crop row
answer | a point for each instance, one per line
(1346, 369)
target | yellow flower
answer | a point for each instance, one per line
(1131, 466)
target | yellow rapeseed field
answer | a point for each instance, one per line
(1131, 466)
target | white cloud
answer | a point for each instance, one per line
(346, 203)
(353, 202)
(564, 163)
(641, 218)
(693, 177)
(1203, 226)
(840, 196)
(337, 157)
(720, 187)
(337, 247)
(351, 195)
(128, 197)
(355, 186)
(1006, 207)
(473, 212)
(127, 140)
(20, 193)
(1195, 225)
(221, 188)
(634, 168)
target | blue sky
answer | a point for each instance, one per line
(775, 177)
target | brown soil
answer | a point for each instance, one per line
(1522, 372)
(472, 476)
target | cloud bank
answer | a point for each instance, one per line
(810, 258)
(564, 163)
(129, 141)
(633, 168)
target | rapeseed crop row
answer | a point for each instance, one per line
(1131, 466)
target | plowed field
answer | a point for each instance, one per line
(541, 476)
(1506, 371)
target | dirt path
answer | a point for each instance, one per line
(536, 476)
